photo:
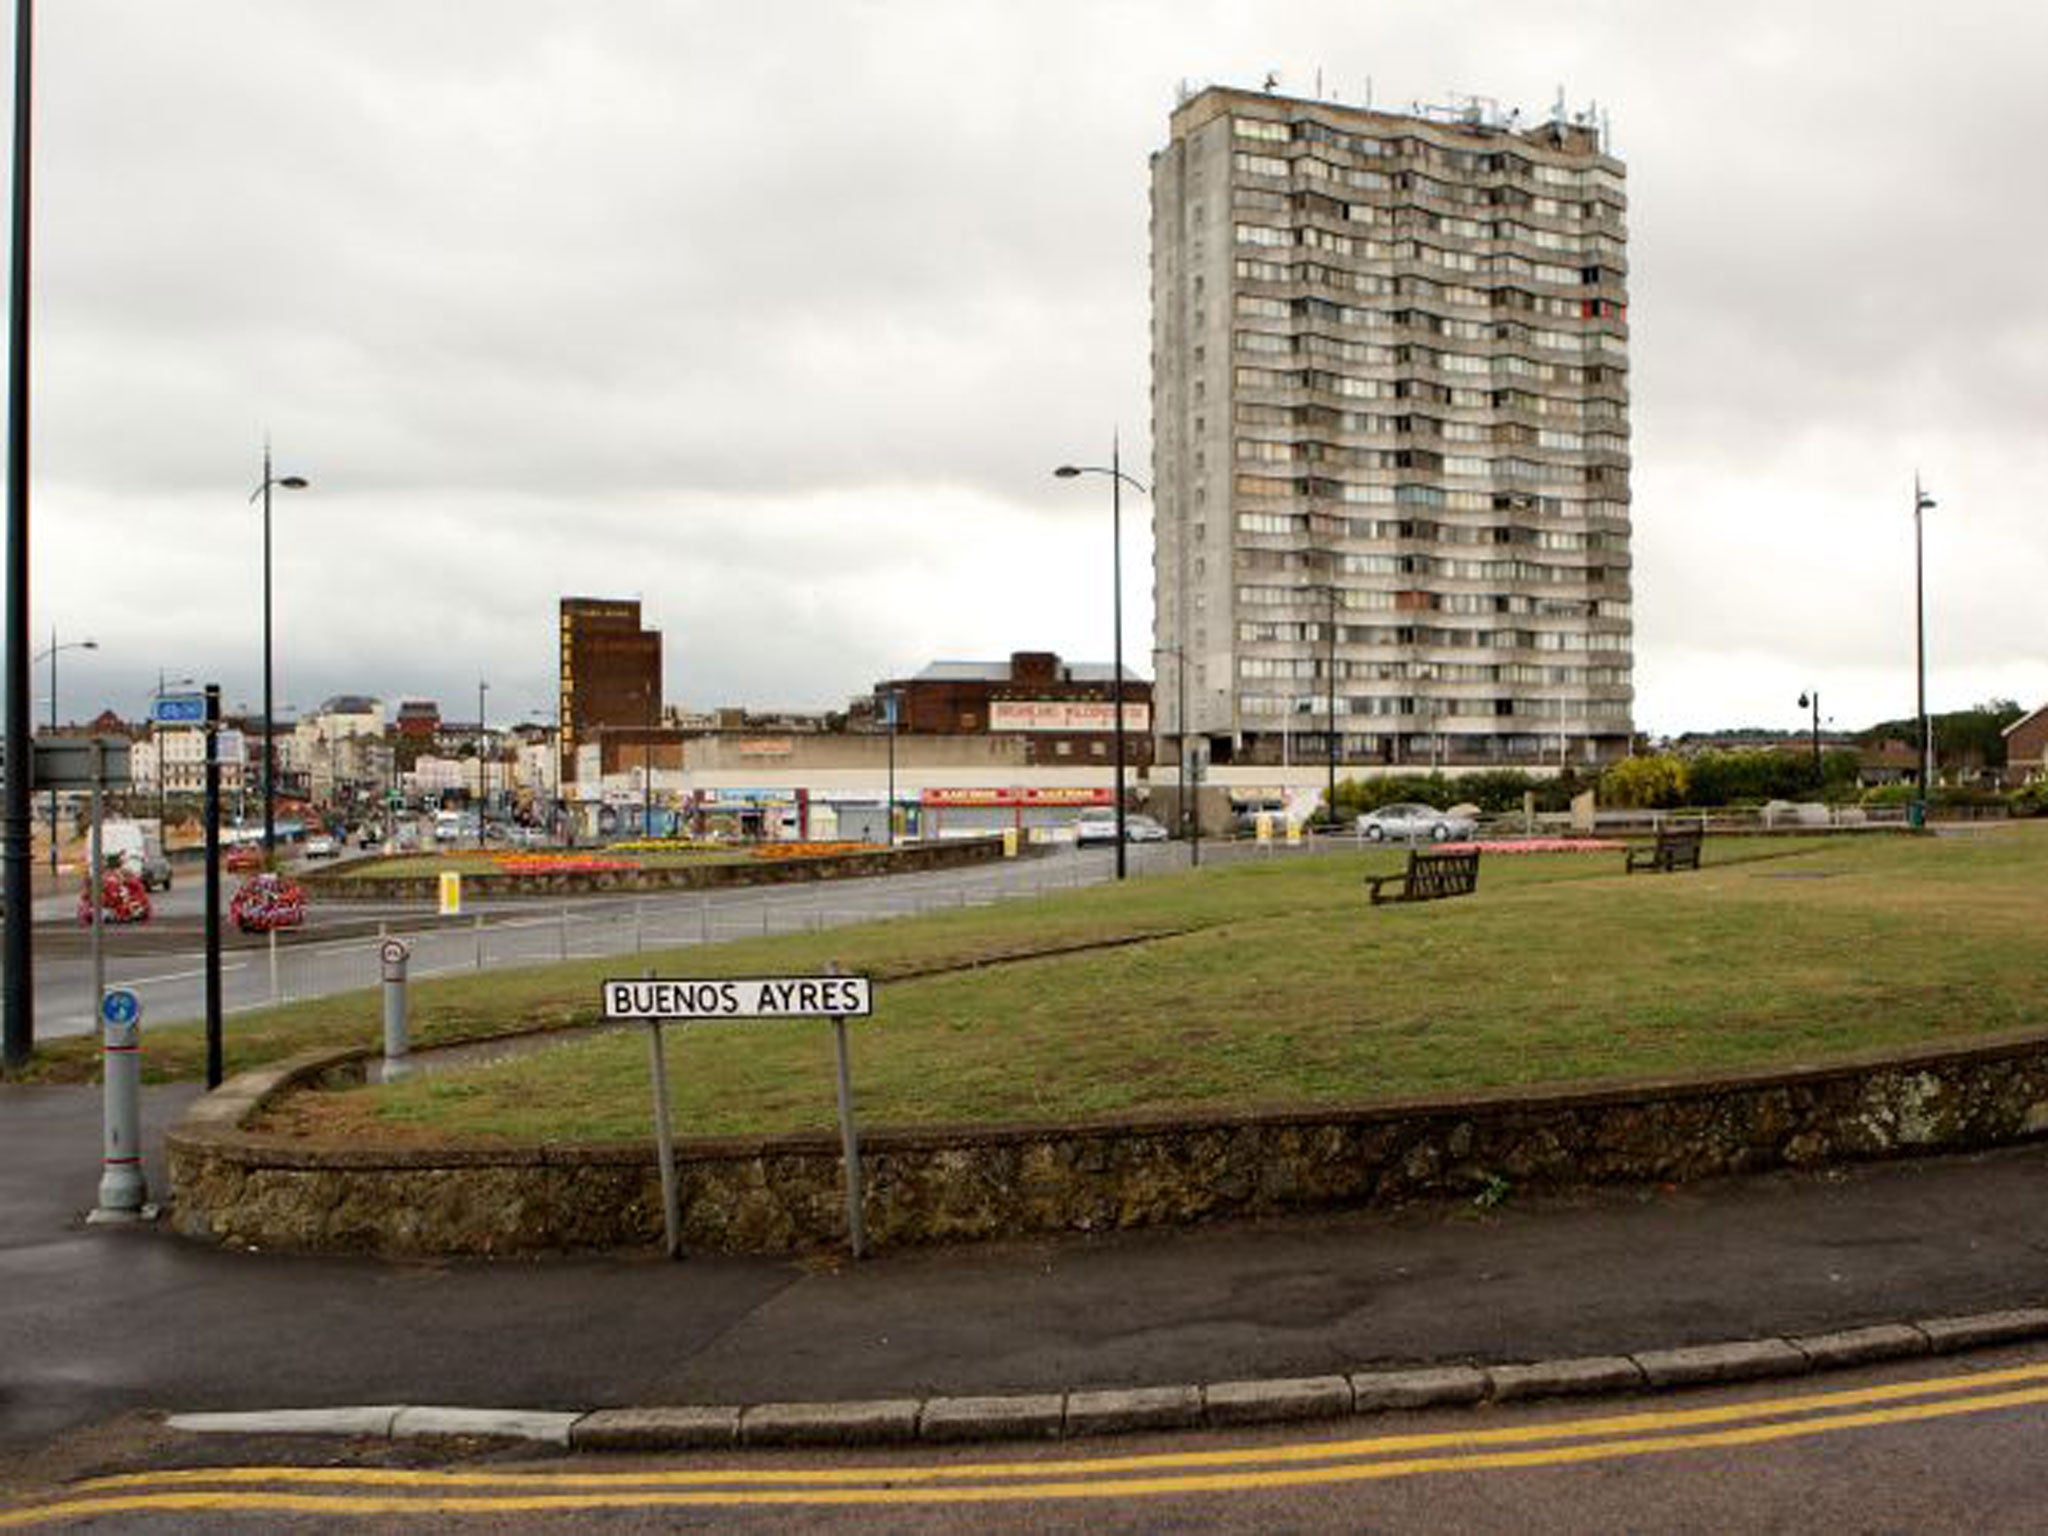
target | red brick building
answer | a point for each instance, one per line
(610, 675)
(1061, 711)
(2026, 746)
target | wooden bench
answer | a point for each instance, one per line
(1675, 848)
(1429, 877)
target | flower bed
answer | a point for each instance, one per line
(560, 864)
(807, 850)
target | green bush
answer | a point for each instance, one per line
(1655, 782)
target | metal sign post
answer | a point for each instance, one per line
(123, 1190)
(393, 953)
(214, 1046)
(657, 1001)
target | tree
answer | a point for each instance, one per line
(1657, 782)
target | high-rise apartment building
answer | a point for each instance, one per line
(1390, 436)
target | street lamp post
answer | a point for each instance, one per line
(52, 651)
(892, 701)
(1330, 700)
(483, 763)
(1117, 481)
(288, 483)
(1813, 699)
(1922, 502)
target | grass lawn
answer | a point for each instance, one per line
(1272, 984)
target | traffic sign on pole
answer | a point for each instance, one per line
(179, 709)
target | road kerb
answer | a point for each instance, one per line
(1741, 1360)
(1945, 1334)
(1032, 1417)
(1586, 1377)
(884, 1421)
(657, 1429)
(1454, 1386)
(1116, 1412)
(503, 1423)
(1863, 1346)
(374, 1421)
(1273, 1402)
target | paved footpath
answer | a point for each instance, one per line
(96, 1321)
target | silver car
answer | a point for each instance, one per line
(1413, 823)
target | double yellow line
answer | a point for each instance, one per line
(374, 1491)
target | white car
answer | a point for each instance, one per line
(1097, 824)
(1410, 823)
(321, 846)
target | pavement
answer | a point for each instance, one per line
(1614, 1290)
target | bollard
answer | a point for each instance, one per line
(273, 968)
(704, 922)
(123, 1190)
(639, 927)
(479, 941)
(565, 931)
(394, 953)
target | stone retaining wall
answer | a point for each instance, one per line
(784, 1194)
(337, 886)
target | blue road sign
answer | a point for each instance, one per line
(120, 1007)
(179, 709)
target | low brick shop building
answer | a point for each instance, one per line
(1060, 713)
(2026, 746)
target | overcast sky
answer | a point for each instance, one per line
(778, 317)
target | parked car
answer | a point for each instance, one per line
(244, 858)
(1142, 829)
(268, 901)
(321, 846)
(1411, 823)
(1097, 824)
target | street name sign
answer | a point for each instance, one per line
(67, 762)
(749, 997)
(179, 709)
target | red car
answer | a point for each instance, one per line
(244, 859)
(266, 902)
(123, 898)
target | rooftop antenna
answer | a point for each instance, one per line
(1368, 93)
(1272, 80)
(1319, 82)
(1557, 106)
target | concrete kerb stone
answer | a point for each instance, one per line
(1031, 1417)
(1742, 1360)
(1565, 1378)
(1271, 1402)
(1863, 1346)
(657, 1429)
(1116, 1412)
(374, 1422)
(1454, 1386)
(1945, 1334)
(499, 1423)
(885, 1421)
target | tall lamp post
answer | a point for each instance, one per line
(1813, 699)
(287, 483)
(52, 651)
(1922, 502)
(483, 762)
(1117, 481)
